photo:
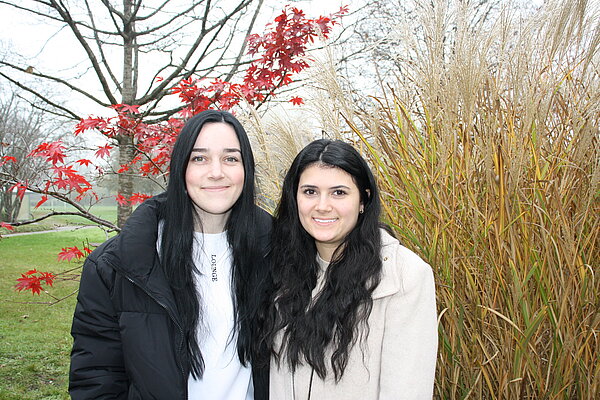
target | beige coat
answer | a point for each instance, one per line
(400, 351)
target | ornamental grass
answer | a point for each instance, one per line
(486, 148)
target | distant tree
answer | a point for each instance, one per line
(385, 33)
(22, 126)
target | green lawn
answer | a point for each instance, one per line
(34, 338)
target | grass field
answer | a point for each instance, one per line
(34, 338)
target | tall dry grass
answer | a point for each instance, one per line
(486, 148)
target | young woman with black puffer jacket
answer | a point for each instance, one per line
(166, 308)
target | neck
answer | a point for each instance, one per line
(325, 251)
(211, 223)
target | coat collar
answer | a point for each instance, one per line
(136, 254)
(137, 240)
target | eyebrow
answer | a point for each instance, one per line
(225, 150)
(308, 186)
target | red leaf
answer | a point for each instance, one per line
(103, 151)
(42, 201)
(83, 192)
(90, 123)
(83, 162)
(69, 179)
(47, 277)
(122, 200)
(7, 226)
(33, 279)
(297, 101)
(69, 253)
(138, 198)
(128, 109)
(21, 188)
(29, 283)
(7, 159)
(53, 152)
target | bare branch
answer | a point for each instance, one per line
(58, 80)
(66, 16)
(238, 59)
(32, 11)
(86, 215)
(81, 211)
(99, 44)
(176, 74)
(48, 303)
(70, 114)
(169, 21)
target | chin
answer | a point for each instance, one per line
(325, 240)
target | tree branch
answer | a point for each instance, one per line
(176, 74)
(100, 48)
(81, 211)
(238, 59)
(66, 16)
(70, 113)
(58, 80)
(86, 215)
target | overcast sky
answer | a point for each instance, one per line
(33, 41)
(26, 39)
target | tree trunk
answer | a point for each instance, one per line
(125, 181)
(126, 144)
(10, 205)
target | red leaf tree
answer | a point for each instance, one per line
(279, 55)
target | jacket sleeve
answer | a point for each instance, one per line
(97, 370)
(409, 348)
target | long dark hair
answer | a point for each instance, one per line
(178, 214)
(338, 315)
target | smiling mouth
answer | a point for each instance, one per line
(215, 188)
(324, 220)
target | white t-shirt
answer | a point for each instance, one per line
(225, 378)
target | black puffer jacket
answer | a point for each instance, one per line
(128, 341)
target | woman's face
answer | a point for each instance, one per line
(215, 174)
(328, 206)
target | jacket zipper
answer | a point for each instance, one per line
(180, 345)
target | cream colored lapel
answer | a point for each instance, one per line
(390, 278)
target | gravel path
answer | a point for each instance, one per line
(57, 229)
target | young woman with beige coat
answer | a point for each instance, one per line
(351, 312)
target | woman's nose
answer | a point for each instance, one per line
(324, 203)
(216, 169)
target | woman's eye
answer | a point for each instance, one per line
(232, 159)
(309, 192)
(339, 192)
(198, 158)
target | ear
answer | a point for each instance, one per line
(368, 192)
